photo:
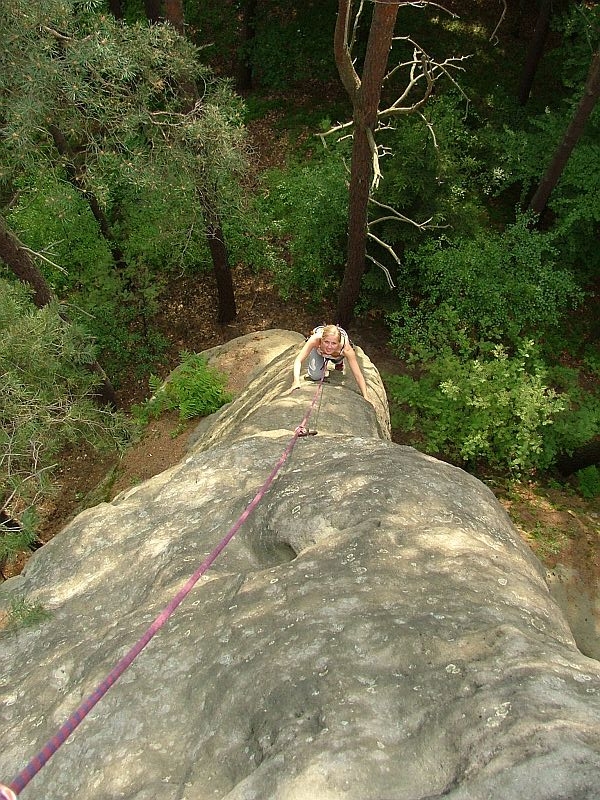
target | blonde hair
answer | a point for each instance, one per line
(332, 330)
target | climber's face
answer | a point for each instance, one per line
(330, 345)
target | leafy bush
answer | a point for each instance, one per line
(115, 305)
(495, 287)
(45, 403)
(54, 219)
(438, 179)
(153, 169)
(575, 200)
(579, 423)
(194, 389)
(494, 410)
(588, 482)
(162, 230)
(17, 536)
(308, 207)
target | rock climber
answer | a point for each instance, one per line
(327, 347)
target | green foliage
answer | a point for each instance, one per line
(24, 613)
(471, 297)
(375, 293)
(14, 539)
(160, 173)
(247, 243)
(293, 43)
(588, 482)
(162, 231)
(115, 305)
(579, 27)
(575, 200)
(579, 423)
(55, 220)
(134, 11)
(308, 206)
(194, 389)
(292, 40)
(493, 411)
(45, 401)
(99, 94)
(495, 287)
(434, 175)
(159, 169)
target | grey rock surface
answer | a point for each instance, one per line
(375, 631)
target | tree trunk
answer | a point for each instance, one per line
(365, 96)
(153, 9)
(75, 178)
(226, 298)
(116, 8)
(360, 182)
(174, 14)
(536, 49)
(215, 238)
(572, 136)
(244, 66)
(585, 456)
(18, 259)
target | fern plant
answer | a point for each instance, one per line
(194, 389)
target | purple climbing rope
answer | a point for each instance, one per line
(17, 785)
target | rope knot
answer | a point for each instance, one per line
(302, 431)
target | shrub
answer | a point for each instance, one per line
(433, 178)
(116, 305)
(24, 613)
(17, 536)
(491, 411)
(194, 389)
(308, 206)
(495, 287)
(45, 404)
(588, 482)
(579, 423)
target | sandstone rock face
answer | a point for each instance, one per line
(375, 631)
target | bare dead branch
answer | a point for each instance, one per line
(381, 266)
(61, 37)
(357, 17)
(375, 157)
(334, 129)
(35, 253)
(398, 217)
(413, 76)
(428, 75)
(57, 34)
(431, 70)
(424, 4)
(499, 23)
(429, 127)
